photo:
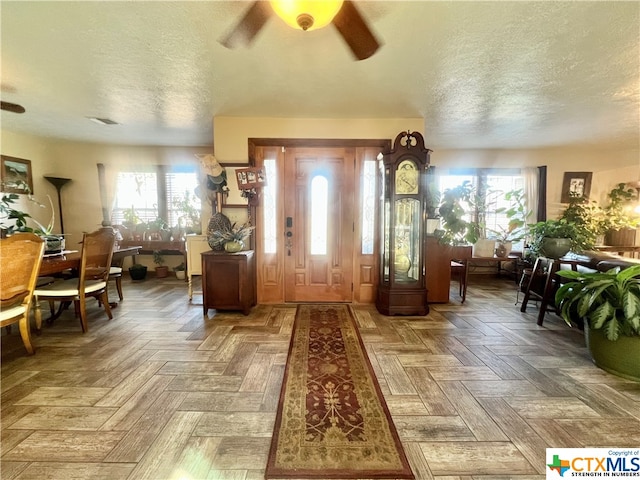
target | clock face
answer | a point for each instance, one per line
(407, 177)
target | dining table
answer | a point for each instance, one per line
(70, 259)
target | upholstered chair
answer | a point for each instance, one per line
(95, 264)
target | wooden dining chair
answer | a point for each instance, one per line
(460, 270)
(20, 259)
(95, 263)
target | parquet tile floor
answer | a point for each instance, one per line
(476, 391)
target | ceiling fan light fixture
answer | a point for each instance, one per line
(307, 14)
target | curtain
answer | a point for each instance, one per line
(531, 179)
(107, 178)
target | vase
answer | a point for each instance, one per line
(219, 222)
(233, 246)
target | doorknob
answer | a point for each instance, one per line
(288, 243)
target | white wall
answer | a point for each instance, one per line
(609, 166)
(81, 199)
(78, 161)
(231, 134)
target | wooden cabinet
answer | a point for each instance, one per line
(228, 281)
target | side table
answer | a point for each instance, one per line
(228, 281)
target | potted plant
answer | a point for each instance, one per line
(162, 270)
(516, 229)
(588, 215)
(455, 229)
(609, 305)
(621, 220)
(189, 213)
(555, 238)
(181, 271)
(158, 230)
(137, 271)
(19, 222)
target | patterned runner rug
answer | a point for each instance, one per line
(332, 421)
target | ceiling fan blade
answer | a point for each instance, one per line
(247, 28)
(12, 107)
(355, 31)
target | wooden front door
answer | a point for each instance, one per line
(319, 224)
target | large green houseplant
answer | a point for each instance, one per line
(456, 230)
(609, 305)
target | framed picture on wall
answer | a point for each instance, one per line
(253, 177)
(575, 184)
(234, 195)
(15, 175)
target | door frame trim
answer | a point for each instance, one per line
(253, 143)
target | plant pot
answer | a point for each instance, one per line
(162, 271)
(180, 274)
(53, 243)
(621, 358)
(484, 247)
(503, 249)
(555, 247)
(233, 247)
(623, 237)
(138, 273)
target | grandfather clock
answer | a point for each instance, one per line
(402, 289)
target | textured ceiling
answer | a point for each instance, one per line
(481, 74)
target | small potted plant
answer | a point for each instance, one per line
(162, 270)
(181, 271)
(608, 303)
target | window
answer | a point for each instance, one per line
(319, 214)
(269, 204)
(489, 185)
(368, 206)
(160, 192)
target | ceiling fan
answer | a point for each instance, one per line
(11, 107)
(342, 14)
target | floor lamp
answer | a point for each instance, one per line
(58, 183)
